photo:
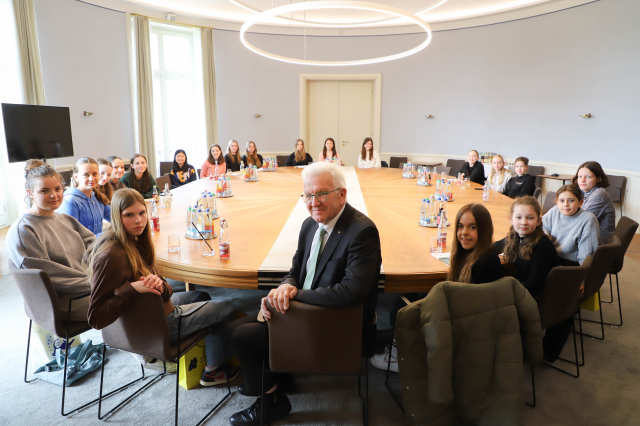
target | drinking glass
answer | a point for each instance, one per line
(207, 249)
(435, 245)
(467, 182)
(174, 244)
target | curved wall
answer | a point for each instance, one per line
(516, 88)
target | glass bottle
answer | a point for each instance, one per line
(167, 196)
(155, 220)
(442, 231)
(228, 187)
(208, 224)
(423, 212)
(155, 193)
(223, 241)
(485, 192)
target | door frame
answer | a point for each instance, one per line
(376, 101)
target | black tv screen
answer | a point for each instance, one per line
(36, 131)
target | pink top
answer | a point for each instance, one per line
(321, 157)
(209, 169)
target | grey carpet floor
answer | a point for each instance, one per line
(607, 392)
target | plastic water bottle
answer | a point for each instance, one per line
(199, 223)
(241, 168)
(442, 230)
(485, 192)
(423, 212)
(208, 224)
(167, 196)
(228, 187)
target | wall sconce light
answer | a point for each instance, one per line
(257, 115)
(87, 114)
(429, 116)
(585, 115)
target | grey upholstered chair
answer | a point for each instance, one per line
(455, 165)
(165, 168)
(549, 202)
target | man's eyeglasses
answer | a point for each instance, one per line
(321, 197)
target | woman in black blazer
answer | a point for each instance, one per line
(472, 169)
(300, 157)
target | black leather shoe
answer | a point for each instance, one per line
(276, 406)
(286, 384)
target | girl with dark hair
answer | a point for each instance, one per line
(592, 182)
(83, 201)
(181, 171)
(139, 178)
(117, 173)
(472, 169)
(329, 151)
(54, 243)
(105, 170)
(523, 183)
(232, 157)
(472, 259)
(368, 157)
(299, 157)
(214, 163)
(526, 248)
(575, 231)
(122, 265)
(251, 157)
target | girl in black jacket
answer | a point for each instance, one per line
(300, 157)
(523, 183)
(528, 252)
(472, 169)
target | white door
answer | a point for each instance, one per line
(341, 110)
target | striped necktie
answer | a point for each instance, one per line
(314, 257)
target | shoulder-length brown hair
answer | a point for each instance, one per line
(515, 246)
(107, 189)
(210, 158)
(300, 155)
(145, 180)
(363, 153)
(99, 194)
(462, 260)
(234, 158)
(324, 148)
(252, 159)
(602, 181)
(140, 251)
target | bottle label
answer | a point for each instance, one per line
(155, 224)
(224, 250)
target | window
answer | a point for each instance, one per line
(178, 110)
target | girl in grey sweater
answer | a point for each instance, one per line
(574, 229)
(592, 182)
(55, 243)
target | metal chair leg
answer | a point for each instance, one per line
(576, 363)
(601, 321)
(386, 381)
(610, 290)
(26, 363)
(533, 386)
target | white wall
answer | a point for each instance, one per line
(516, 88)
(83, 50)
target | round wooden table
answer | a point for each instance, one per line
(258, 211)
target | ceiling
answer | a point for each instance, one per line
(441, 10)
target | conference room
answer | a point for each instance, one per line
(348, 211)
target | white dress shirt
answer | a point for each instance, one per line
(329, 228)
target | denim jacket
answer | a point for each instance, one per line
(88, 211)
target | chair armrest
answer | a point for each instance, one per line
(194, 310)
(82, 296)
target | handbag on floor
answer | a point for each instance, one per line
(83, 359)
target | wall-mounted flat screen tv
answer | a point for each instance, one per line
(36, 131)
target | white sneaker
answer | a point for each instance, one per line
(381, 361)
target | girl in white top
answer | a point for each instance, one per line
(499, 176)
(329, 151)
(369, 157)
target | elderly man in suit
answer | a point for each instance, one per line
(337, 264)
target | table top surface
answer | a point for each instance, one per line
(257, 213)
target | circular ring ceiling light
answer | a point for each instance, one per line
(315, 5)
(245, 6)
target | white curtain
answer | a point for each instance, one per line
(209, 80)
(144, 92)
(25, 17)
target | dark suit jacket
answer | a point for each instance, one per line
(349, 268)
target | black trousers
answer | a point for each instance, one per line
(248, 339)
(399, 303)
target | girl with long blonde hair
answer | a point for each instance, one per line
(232, 156)
(251, 157)
(499, 176)
(299, 157)
(122, 265)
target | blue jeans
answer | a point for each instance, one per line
(207, 313)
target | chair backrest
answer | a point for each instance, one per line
(602, 262)
(383, 164)
(316, 339)
(162, 180)
(537, 192)
(549, 202)
(40, 299)
(198, 174)
(560, 295)
(616, 188)
(141, 329)
(625, 230)
(165, 167)
(535, 171)
(396, 162)
(66, 175)
(455, 165)
(282, 160)
(445, 169)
